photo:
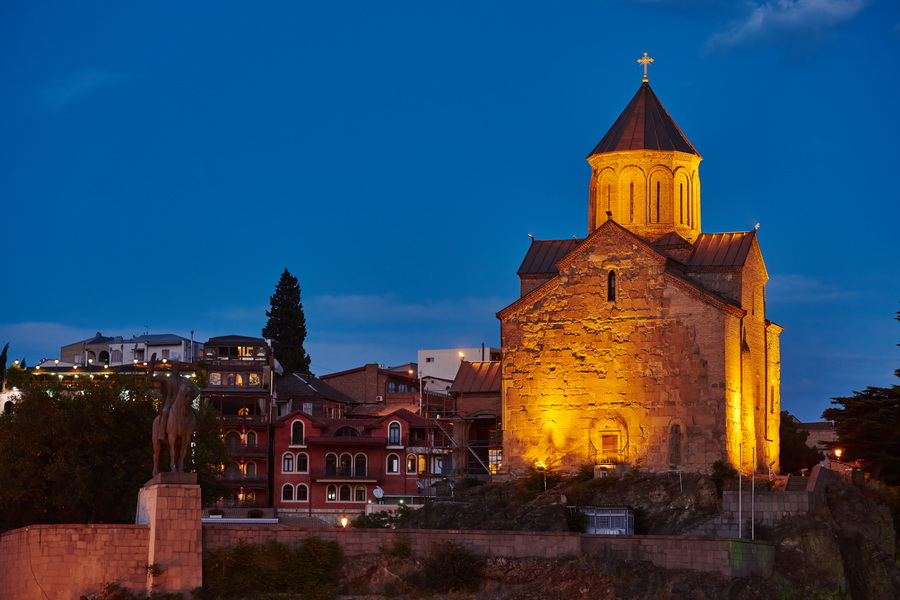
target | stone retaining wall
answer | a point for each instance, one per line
(62, 562)
(731, 557)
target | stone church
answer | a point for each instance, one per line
(646, 343)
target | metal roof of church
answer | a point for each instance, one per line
(644, 125)
(721, 249)
(543, 255)
(710, 250)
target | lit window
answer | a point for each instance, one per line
(346, 465)
(393, 463)
(331, 493)
(360, 493)
(411, 463)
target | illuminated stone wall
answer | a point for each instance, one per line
(666, 373)
(649, 192)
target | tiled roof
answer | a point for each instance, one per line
(543, 255)
(721, 249)
(294, 385)
(644, 125)
(481, 376)
(159, 339)
(235, 339)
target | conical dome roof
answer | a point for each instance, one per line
(644, 125)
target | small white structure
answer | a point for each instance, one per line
(608, 520)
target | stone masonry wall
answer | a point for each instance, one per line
(730, 557)
(577, 366)
(62, 562)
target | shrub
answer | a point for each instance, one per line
(401, 547)
(585, 473)
(311, 569)
(721, 473)
(451, 567)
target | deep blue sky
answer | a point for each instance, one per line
(162, 163)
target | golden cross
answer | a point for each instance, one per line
(646, 60)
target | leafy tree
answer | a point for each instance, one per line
(286, 326)
(80, 456)
(795, 453)
(868, 428)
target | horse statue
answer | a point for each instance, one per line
(174, 427)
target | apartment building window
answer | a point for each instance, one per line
(287, 463)
(393, 464)
(302, 463)
(394, 434)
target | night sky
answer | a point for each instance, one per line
(162, 163)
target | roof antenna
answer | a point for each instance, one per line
(609, 215)
(645, 60)
(530, 236)
(755, 227)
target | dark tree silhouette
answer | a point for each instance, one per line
(286, 326)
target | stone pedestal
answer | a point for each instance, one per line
(170, 504)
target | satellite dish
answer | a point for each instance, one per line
(378, 492)
(420, 486)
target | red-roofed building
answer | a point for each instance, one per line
(333, 468)
(645, 342)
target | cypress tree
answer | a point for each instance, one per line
(286, 326)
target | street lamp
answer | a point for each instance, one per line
(837, 453)
(344, 521)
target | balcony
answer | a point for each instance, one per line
(243, 419)
(373, 475)
(248, 450)
(238, 480)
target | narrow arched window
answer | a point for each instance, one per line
(681, 203)
(297, 433)
(611, 286)
(346, 466)
(302, 493)
(675, 445)
(331, 464)
(360, 466)
(360, 495)
(394, 434)
(331, 493)
(411, 463)
(657, 202)
(251, 438)
(287, 463)
(287, 492)
(631, 204)
(302, 463)
(345, 493)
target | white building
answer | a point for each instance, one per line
(444, 363)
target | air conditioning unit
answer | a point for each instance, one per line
(379, 398)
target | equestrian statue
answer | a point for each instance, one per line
(174, 427)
